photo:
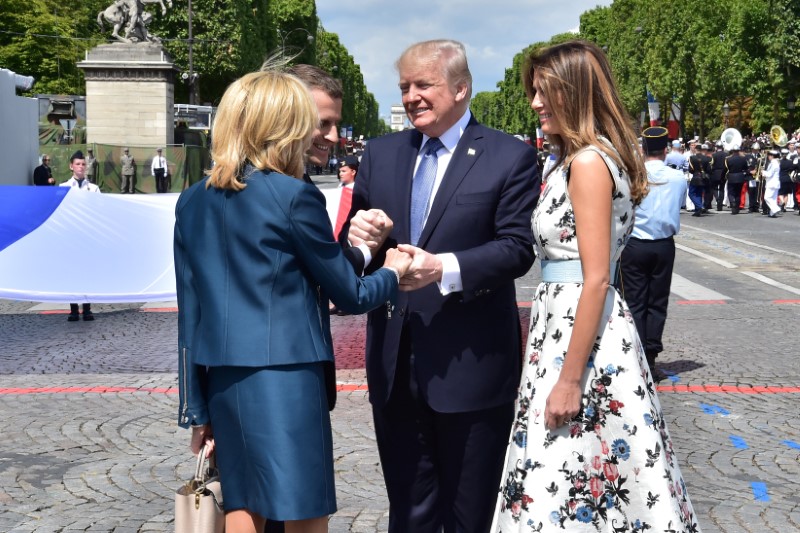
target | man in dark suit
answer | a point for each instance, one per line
(443, 364)
(717, 187)
(735, 176)
(43, 174)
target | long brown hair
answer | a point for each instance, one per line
(577, 79)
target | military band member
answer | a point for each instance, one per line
(699, 184)
(755, 165)
(787, 167)
(736, 176)
(717, 186)
(772, 184)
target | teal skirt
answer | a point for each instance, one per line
(272, 431)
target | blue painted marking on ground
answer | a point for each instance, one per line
(673, 378)
(713, 409)
(792, 444)
(760, 491)
(738, 442)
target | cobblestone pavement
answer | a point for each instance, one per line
(90, 443)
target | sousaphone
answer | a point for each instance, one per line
(730, 138)
(778, 136)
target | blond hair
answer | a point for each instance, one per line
(576, 78)
(264, 119)
(451, 54)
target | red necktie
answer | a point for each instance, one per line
(344, 209)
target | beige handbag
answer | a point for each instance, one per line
(198, 503)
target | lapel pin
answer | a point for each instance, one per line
(471, 151)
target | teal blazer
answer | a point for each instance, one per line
(253, 272)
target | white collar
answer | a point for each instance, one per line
(451, 137)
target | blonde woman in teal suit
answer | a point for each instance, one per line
(254, 261)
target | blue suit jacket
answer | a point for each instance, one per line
(467, 345)
(253, 269)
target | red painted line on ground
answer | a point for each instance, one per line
(700, 302)
(786, 301)
(523, 304)
(349, 387)
(55, 312)
(352, 387)
(728, 389)
(159, 310)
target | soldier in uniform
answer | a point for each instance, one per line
(787, 167)
(794, 156)
(79, 181)
(717, 186)
(128, 181)
(736, 176)
(700, 171)
(647, 260)
(91, 166)
(160, 171)
(755, 165)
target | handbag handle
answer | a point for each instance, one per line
(200, 476)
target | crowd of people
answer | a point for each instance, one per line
(159, 169)
(473, 434)
(739, 177)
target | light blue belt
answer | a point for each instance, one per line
(569, 271)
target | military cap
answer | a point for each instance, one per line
(704, 146)
(655, 139)
(774, 153)
(349, 161)
(784, 151)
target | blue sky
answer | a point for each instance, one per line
(375, 32)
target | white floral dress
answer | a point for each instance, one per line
(612, 468)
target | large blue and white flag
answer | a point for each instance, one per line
(59, 244)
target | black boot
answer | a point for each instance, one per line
(87, 313)
(73, 313)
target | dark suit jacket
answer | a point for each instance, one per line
(252, 270)
(467, 344)
(41, 174)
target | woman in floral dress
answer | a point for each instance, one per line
(589, 449)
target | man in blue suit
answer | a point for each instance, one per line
(443, 364)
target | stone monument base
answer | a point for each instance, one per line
(130, 94)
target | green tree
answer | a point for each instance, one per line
(46, 39)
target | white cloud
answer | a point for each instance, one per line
(376, 32)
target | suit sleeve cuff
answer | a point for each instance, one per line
(451, 275)
(367, 255)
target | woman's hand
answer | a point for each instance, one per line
(201, 435)
(398, 260)
(563, 404)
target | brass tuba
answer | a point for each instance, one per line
(730, 138)
(778, 136)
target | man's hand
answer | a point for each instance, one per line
(425, 268)
(370, 228)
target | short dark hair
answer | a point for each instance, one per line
(76, 155)
(316, 78)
